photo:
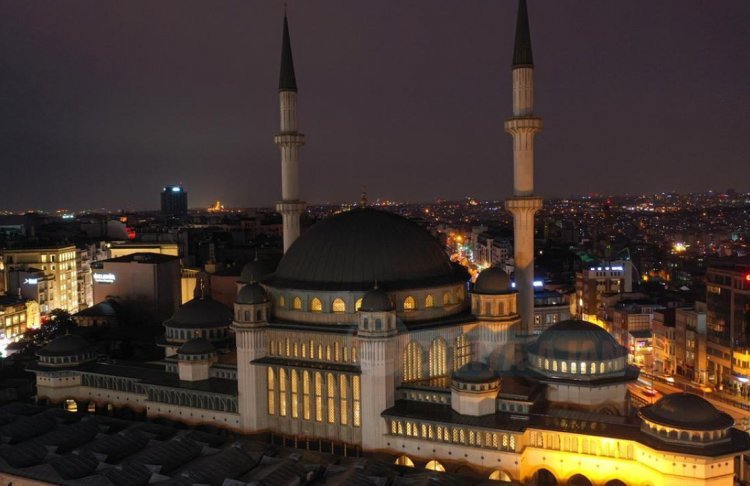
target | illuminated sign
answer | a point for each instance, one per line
(176, 189)
(31, 281)
(537, 283)
(105, 278)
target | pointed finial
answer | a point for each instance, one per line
(363, 198)
(287, 79)
(522, 56)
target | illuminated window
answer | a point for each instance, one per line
(343, 400)
(601, 367)
(91, 407)
(271, 392)
(339, 306)
(295, 394)
(282, 392)
(316, 305)
(306, 395)
(273, 348)
(318, 397)
(356, 403)
(404, 461)
(429, 302)
(462, 353)
(412, 361)
(337, 351)
(554, 365)
(295, 350)
(583, 367)
(438, 358)
(331, 402)
(409, 304)
(282, 301)
(354, 354)
(328, 352)
(297, 303)
(573, 368)
(564, 366)
(71, 406)
(287, 347)
(320, 351)
(304, 350)
(593, 368)
(358, 304)
(394, 427)
(446, 298)
(346, 354)
(435, 466)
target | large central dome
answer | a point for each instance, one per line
(352, 250)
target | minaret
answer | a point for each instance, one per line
(289, 140)
(523, 205)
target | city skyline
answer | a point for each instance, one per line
(99, 106)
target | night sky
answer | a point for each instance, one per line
(103, 102)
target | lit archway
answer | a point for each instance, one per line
(410, 304)
(579, 480)
(435, 466)
(543, 477)
(71, 405)
(91, 407)
(404, 461)
(338, 305)
(316, 305)
(498, 475)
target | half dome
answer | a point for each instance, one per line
(574, 340)
(200, 314)
(353, 249)
(686, 411)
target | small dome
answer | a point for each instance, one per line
(252, 293)
(67, 345)
(200, 314)
(252, 272)
(474, 372)
(494, 280)
(376, 300)
(686, 411)
(575, 340)
(199, 345)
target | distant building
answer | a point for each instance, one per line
(728, 323)
(174, 202)
(48, 275)
(690, 343)
(108, 313)
(16, 315)
(663, 326)
(597, 280)
(550, 307)
(148, 284)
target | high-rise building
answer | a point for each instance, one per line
(728, 323)
(48, 275)
(174, 202)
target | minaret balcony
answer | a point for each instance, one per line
(291, 138)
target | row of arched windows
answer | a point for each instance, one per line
(312, 350)
(339, 305)
(454, 435)
(314, 396)
(576, 368)
(437, 359)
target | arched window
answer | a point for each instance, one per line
(71, 405)
(435, 466)
(247, 316)
(259, 315)
(328, 352)
(564, 366)
(358, 304)
(281, 301)
(343, 399)
(438, 357)
(429, 302)
(316, 305)
(409, 304)
(271, 392)
(462, 353)
(331, 402)
(404, 461)
(295, 393)
(282, 392)
(306, 395)
(338, 306)
(297, 303)
(412, 361)
(447, 298)
(318, 397)
(356, 403)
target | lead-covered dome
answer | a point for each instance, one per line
(200, 313)
(351, 250)
(575, 340)
(686, 411)
(474, 372)
(252, 294)
(376, 300)
(67, 350)
(492, 281)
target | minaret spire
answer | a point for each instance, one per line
(289, 141)
(524, 204)
(522, 56)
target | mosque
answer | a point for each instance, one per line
(367, 339)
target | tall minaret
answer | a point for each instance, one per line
(523, 205)
(289, 140)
